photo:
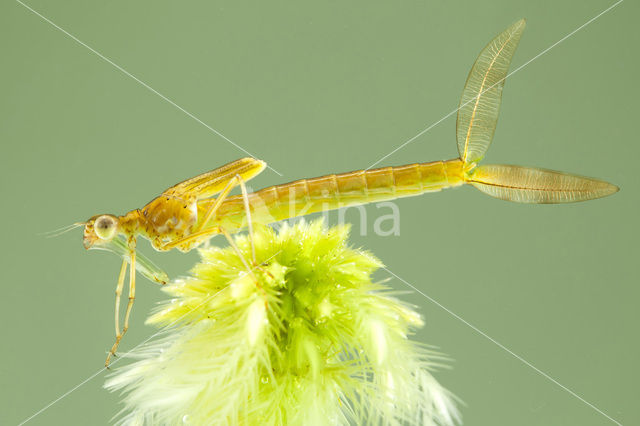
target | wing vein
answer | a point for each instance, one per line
(475, 106)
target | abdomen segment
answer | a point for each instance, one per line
(331, 192)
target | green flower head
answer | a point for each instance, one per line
(303, 338)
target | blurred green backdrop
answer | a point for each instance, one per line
(314, 88)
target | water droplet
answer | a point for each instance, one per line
(185, 419)
(264, 380)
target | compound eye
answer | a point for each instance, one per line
(105, 227)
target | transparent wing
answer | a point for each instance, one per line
(208, 184)
(531, 185)
(480, 103)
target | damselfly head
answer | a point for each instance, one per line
(100, 229)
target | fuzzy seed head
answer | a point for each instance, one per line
(305, 338)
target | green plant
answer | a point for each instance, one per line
(304, 338)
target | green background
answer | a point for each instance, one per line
(314, 88)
